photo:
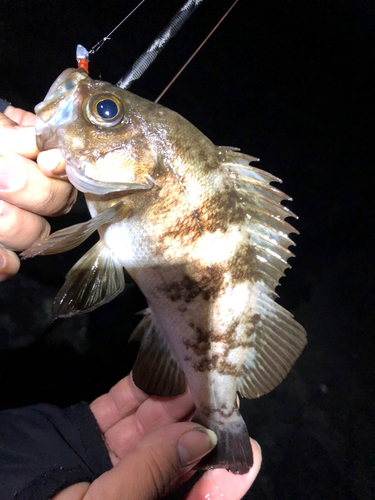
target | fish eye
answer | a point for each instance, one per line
(105, 110)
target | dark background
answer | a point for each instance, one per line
(290, 82)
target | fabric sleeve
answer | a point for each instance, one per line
(3, 105)
(44, 449)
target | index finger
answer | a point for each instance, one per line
(20, 116)
(121, 401)
(17, 138)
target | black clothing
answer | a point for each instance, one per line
(3, 106)
(44, 449)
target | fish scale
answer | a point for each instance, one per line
(203, 234)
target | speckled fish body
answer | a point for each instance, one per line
(201, 232)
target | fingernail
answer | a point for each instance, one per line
(194, 444)
(256, 442)
(12, 176)
(2, 262)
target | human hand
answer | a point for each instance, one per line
(143, 435)
(28, 190)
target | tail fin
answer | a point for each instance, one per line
(233, 450)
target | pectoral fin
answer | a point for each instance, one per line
(275, 346)
(94, 280)
(70, 237)
(156, 370)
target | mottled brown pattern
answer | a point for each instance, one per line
(201, 281)
(202, 340)
(222, 209)
(244, 264)
(225, 412)
(218, 364)
(199, 342)
(185, 227)
(206, 365)
(185, 289)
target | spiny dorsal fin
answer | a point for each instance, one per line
(274, 347)
(277, 339)
(265, 216)
(94, 280)
(156, 370)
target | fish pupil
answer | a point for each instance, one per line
(107, 109)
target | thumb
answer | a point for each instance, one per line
(155, 466)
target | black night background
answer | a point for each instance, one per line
(290, 82)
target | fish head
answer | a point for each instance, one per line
(100, 131)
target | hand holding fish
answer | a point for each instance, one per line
(153, 451)
(28, 190)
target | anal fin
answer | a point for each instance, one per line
(156, 370)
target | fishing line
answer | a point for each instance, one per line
(100, 44)
(195, 52)
(83, 55)
(149, 56)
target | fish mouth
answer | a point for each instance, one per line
(50, 113)
(87, 185)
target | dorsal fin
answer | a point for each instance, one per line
(274, 346)
(265, 216)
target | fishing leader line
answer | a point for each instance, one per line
(83, 55)
(100, 44)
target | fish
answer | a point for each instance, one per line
(201, 231)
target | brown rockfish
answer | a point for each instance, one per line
(201, 232)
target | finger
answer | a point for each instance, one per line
(20, 116)
(9, 264)
(52, 163)
(19, 139)
(74, 492)
(155, 466)
(19, 229)
(219, 484)
(122, 400)
(23, 184)
(151, 415)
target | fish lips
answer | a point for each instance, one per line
(57, 108)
